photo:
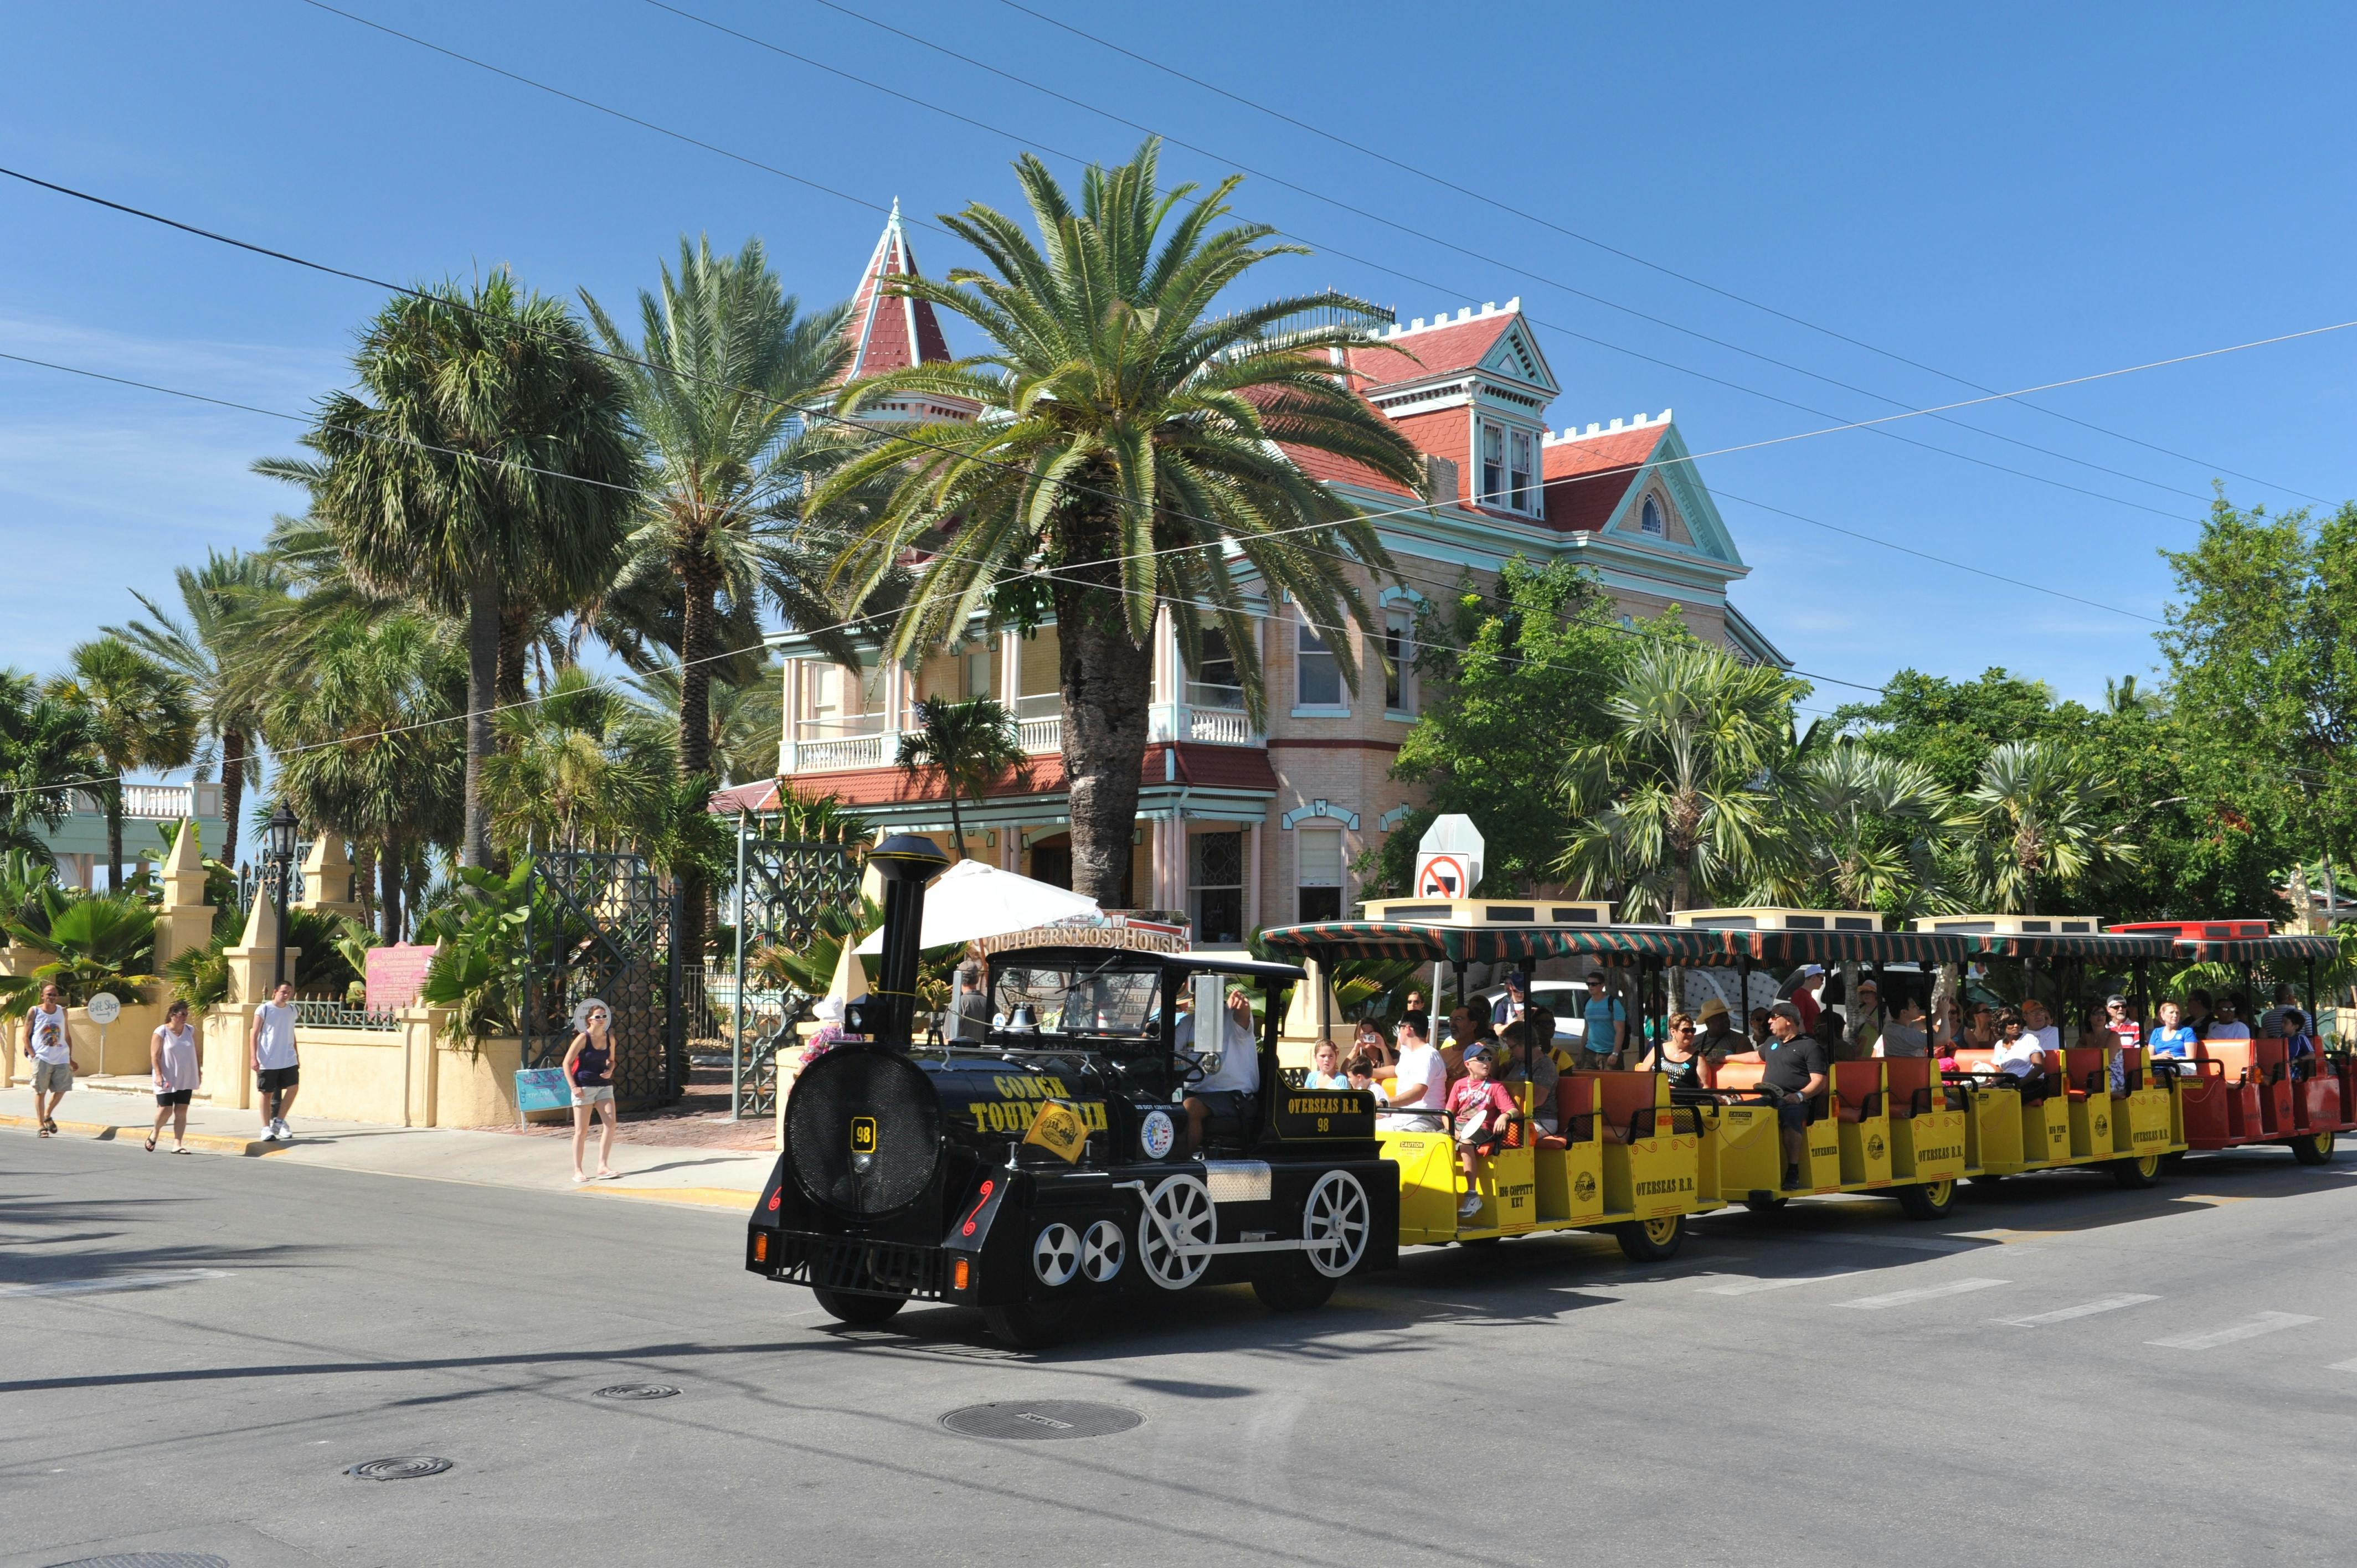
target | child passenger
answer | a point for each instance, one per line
(1325, 1069)
(1482, 1109)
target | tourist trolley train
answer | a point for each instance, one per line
(1046, 1167)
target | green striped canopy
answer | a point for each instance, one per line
(2122, 948)
(1927, 948)
(2256, 950)
(1432, 942)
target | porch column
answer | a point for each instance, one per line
(790, 705)
(1010, 671)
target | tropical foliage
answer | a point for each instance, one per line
(1130, 450)
(965, 747)
(138, 716)
(85, 945)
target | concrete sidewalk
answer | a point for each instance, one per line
(726, 1179)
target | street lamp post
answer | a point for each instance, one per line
(281, 860)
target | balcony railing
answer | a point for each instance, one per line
(158, 803)
(823, 746)
(1039, 736)
(850, 751)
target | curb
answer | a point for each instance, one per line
(700, 1197)
(116, 1133)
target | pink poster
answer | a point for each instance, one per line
(395, 974)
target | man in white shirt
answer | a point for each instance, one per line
(1420, 1088)
(49, 1044)
(2036, 1020)
(275, 1070)
(1228, 1089)
(2223, 1026)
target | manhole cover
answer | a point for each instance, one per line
(150, 1560)
(1038, 1419)
(637, 1391)
(405, 1469)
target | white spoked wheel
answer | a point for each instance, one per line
(1103, 1251)
(1334, 1224)
(1056, 1255)
(1179, 1217)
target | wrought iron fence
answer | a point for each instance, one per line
(599, 924)
(782, 888)
(329, 1013)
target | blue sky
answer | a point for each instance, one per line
(2014, 195)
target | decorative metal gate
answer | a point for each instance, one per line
(599, 924)
(781, 886)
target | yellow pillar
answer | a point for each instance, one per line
(185, 922)
(327, 878)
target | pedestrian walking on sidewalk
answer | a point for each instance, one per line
(50, 1046)
(277, 1072)
(172, 1057)
(588, 1068)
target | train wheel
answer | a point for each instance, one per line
(1929, 1200)
(1029, 1324)
(1335, 1223)
(1294, 1285)
(2141, 1172)
(846, 1307)
(1651, 1240)
(2316, 1149)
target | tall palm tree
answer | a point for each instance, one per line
(2038, 818)
(968, 744)
(747, 716)
(141, 715)
(43, 743)
(580, 767)
(1674, 801)
(222, 608)
(725, 361)
(361, 752)
(1863, 827)
(1129, 444)
(485, 464)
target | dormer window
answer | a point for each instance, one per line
(1650, 519)
(1509, 469)
(1525, 498)
(1494, 467)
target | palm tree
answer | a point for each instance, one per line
(222, 606)
(2037, 815)
(968, 744)
(488, 465)
(1864, 827)
(87, 945)
(1128, 445)
(581, 764)
(747, 716)
(43, 743)
(1674, 801)
(140, 716)
(365, 748)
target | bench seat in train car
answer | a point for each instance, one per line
(1751, 1158)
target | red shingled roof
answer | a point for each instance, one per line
(888, 333)
(1438, 350)
(1586, 479)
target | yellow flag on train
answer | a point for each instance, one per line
(1058, 1128)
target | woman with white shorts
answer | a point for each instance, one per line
(588, 1068)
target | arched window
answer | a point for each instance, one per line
(1651, 521)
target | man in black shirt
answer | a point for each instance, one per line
(1795, 1071)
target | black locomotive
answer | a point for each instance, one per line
(1047, 1166)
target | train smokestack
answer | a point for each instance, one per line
(906, 863)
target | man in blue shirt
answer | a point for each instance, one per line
(1607, 1024)
(1511, 1007)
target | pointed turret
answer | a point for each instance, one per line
(889, 333)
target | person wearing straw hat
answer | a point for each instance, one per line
(1720, 1038)
(588, 1068)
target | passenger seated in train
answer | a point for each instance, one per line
(2172, 1036)
(2036, 1020)
(2200, 1008)
(1325, 1067)
(1720, 1038)
(1420, 1087)
(2019, 1054)
(1793, 1069)
(1484, 1111)
(1530, 1069)
(1678, 1056)
(1359, 1072)
(2222, 1025)
(2299, 1045)
(1905, 1035)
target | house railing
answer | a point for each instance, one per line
(1039, 728)
(158, 803)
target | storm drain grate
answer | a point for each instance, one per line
(1034, 1420)
(409, 1468)
(637, 1391)
(150, 1560)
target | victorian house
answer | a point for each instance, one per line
(1241, 826)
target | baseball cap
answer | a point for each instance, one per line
(1519, 978)
(1478, 1048)
(2116, 1000)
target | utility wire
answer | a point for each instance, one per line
(1448, 183)
(1446, 244)
(877, 207)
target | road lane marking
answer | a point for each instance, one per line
(1902, 1243)
(2343, 1367)
(1924, 1293)
(2085, 1309)
(1753, 1287)
(115, 1283)
(2249, 1328)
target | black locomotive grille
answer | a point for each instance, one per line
(864, 1132)
(838, 1262)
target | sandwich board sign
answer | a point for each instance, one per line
(1448, 859)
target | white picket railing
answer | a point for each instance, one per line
(1221, 726)
(849, 751)
(158, 803)
(1041, 735)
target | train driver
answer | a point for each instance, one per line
(1228, 1089)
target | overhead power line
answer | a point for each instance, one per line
(1445, 183)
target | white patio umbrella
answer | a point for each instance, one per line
(974, 899)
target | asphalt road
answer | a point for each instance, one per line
(1830, 1385)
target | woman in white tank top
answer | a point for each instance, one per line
(172, 1055)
